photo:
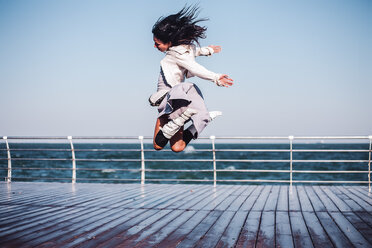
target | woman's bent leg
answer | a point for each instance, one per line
(176, 142)
(160, 122)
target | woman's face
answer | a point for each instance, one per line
(162, 47)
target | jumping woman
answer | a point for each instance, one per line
(178, 101)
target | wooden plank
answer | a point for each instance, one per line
(142, 230)
(191, 194)
(314, 199)
(31, 213)
(25, 226)
(231, 234)
(71, 231)
(248, 235)
(357, 199)
(182, 231)
(317, 233)
(251, 200)
(58, 228)
(293, 201)
(168, 198)
(367, 197)
(334, 233)
(304, 200)
(212, 201)
(351, 203)
(341, 205)
(266, 234)
(349, 230)
(22, 230)
(88, 232)
(363, 189)
(230, 199)
(200, 230)
(211, 238)
(166, 231)
(130, 197)
(108, 227)
(272, 199)
(366, 217)
(145, 202)
(301, 236)
(283, 232)
(102, 238)
(236, 205)
(283, 199)
(219, 201)
(261, 200)
(360, 225)
(329, 205)
(191, 203)
(119, 199)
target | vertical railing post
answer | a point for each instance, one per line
(142, 161)
(290, 161)
(73, 160)
(9, 178)
(213, 138)
(369, 163)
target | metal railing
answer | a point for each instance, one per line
(214, 160)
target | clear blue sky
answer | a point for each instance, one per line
(88, 67)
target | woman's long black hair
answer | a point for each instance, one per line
(180, 28)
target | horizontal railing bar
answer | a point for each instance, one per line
(109, 179)
(150, 137)
(199, 150)
(69, 150)
(170, 170)
(330, 161)
(331, 137)
(39, 149)
(295, 137)
(192, 160)
(179, 160)
(74, 137)
(52, 178)
(44, 178)
(181, 180)
(80, 169)
(69, 159)
(294, 161)
(305, 181)
(256, 180)
(38, 159)
(287, 181)
(325, 150)
(107, 160)
(308, 171)
(33, 168)
(287, 171)
(285, 150)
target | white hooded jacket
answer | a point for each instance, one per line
(179, 63)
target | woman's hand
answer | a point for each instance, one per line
(216, 49)
(225, 81)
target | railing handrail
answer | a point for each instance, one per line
(202, 137)
(214, 160)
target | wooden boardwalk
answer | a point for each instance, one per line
(159, 215)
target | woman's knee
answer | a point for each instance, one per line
(178, 147)
(157, 147)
